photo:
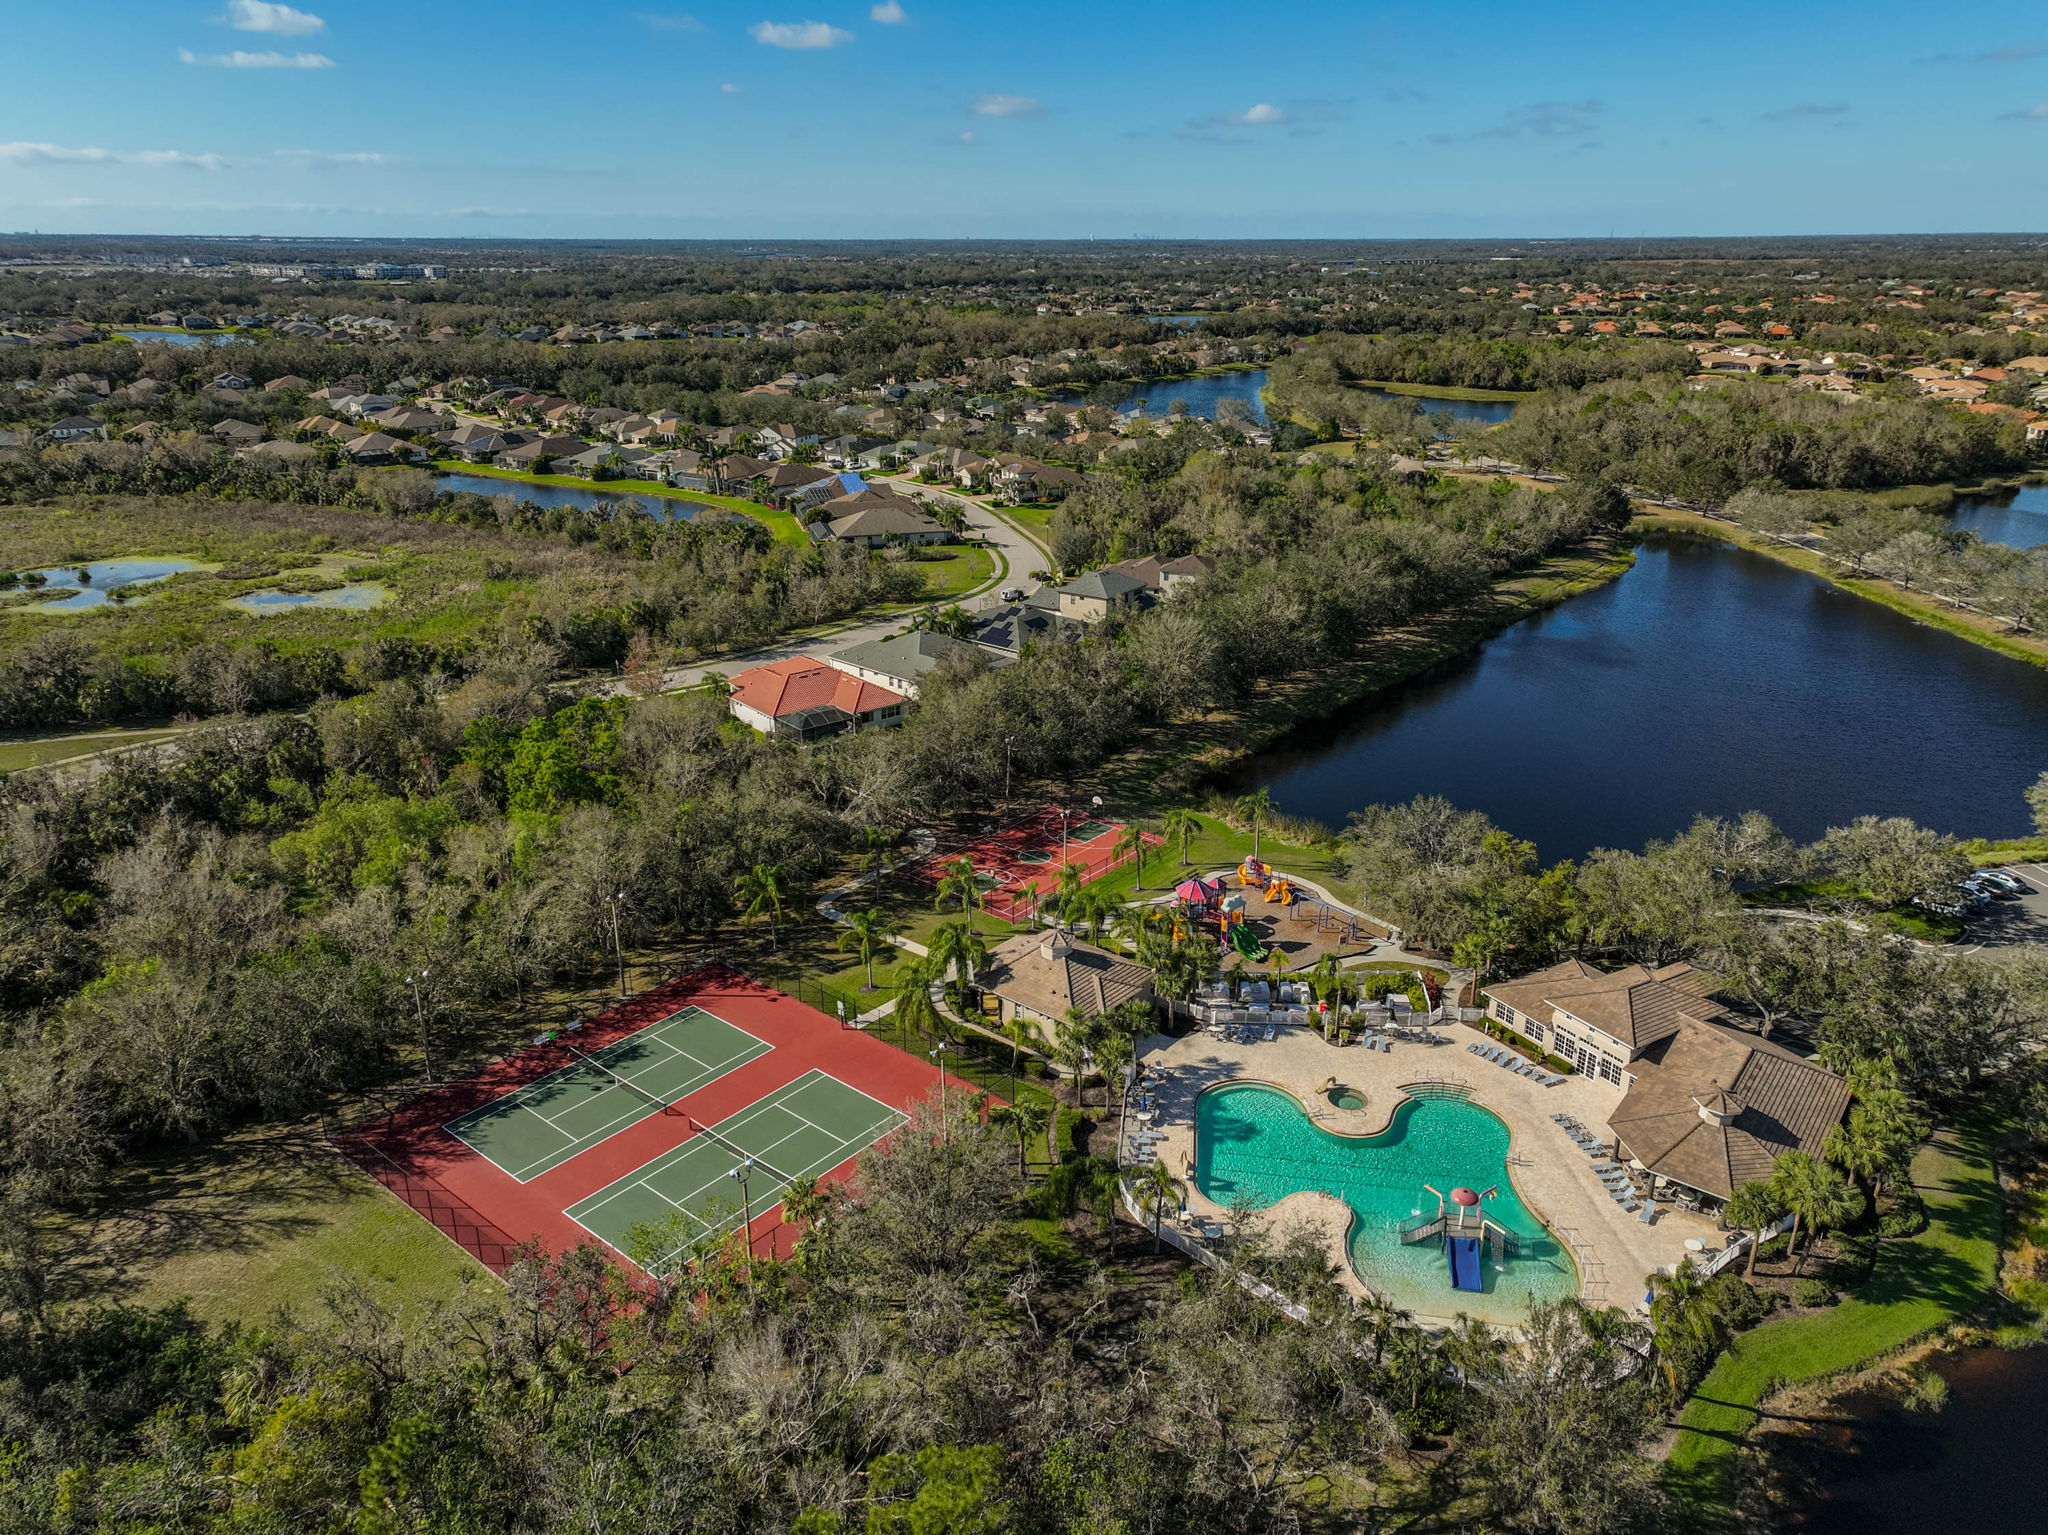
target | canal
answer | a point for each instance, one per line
(1707, 679)
(667, 508)
(2015, 517)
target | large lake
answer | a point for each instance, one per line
(1706, 679)
(2015, 517)
(668, 508)
(1481, 412)
(187, 337)
(1202, 394)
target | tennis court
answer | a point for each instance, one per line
(802, 1129)
(545, 1123)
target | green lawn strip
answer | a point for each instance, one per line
(1444, 391)
(1986, 855)
(15, 755)
(1920, 1283)
(1846, 897)
(783, 525)
(1918, 606)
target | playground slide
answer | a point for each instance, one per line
(1464, 1255)
(1246, 942)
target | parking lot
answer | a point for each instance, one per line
(2006, 924)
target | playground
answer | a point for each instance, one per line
(708, 1095)
(1018, 864)
(1262, 917)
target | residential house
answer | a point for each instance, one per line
(236, 434)
(280, 452)
(782, 438)
(802, 486)
(240, 383)
(1006, 630)
(477, 443)
(743, 470)
(376, 448)
(605, 461)
(358, 406)
(1164, 577)
(536, 451)
(877, 517)
(1022, 479)
(289, 383)
(1093, 597)
(803, 699)
(902, 662)
(1039, 978)
(75, 429)
(680, 467)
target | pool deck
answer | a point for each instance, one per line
(1614, 1250)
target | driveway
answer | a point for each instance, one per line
(2011, 924)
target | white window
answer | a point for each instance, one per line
(1503, 1012)
(1610, 1070)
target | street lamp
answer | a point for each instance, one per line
(938, 1055)
(745, 1172)
(420, 1011)
(1008, 742)
(613, 905)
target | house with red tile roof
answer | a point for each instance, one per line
(805, 699)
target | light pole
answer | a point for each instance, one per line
(745, 1173)
(613, 905)
(945, 1120)
(1008, 742)
(420, 1011)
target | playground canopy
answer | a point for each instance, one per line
(1196, 890)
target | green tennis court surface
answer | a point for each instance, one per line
(798, 1131)
(547, 1122)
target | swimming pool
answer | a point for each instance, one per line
(1256, 1142)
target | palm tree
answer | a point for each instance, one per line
(869, 934)
(1156, 1185)
(806, 1201)
(1685, 1316)
(1028, 1117)
(1019, 1033)
(1073, 1047)
(1754, 1207)
(1257, 808)
(1094, 907)
(957, 949)
(765, 890)
(957, 882)
(874, 849)
(1326, 980)
(1131, 841)
(1072, 878)
(1181, 826)
(1817, 1196)
(915, 1009)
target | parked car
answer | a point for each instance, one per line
(2010, 883)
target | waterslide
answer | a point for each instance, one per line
(1464, 1255)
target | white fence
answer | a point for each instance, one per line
(1202, 1254)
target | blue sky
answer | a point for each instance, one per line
(929, 118)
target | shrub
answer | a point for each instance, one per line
(1813, 1292)
(1740, 1302)
(1068, 1122)
(1908, 1218)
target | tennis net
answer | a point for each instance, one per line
(755, 1157)
(626, 1082)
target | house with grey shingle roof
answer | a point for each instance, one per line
(1040, 977)
(902, 662)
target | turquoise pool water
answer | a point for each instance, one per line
(1256, 1142)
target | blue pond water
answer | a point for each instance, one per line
(1707, 679)
(185, 338)
(2018, 518)
(1481, 412)
(668, 508)
(1203, 395)
(101, 577)
(356, 595)
(1255, 1142)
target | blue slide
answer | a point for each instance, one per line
(1464, 1252)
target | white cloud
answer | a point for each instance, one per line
(999, 105)
(798, 34)
(24, 153)
(241, 60)
(731, 89)
(665, 21)
(2037, 113)
(1264, 112)
(323, 157)
(888, 13)
(967, 138)
(261, 16)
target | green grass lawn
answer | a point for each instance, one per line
(267, 1218)
(1850, 899)
(1920, 1283)
(961, 570)
(15, 755)
(782, 524)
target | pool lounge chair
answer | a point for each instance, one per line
(1269, 1030)
(1386, 1046)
